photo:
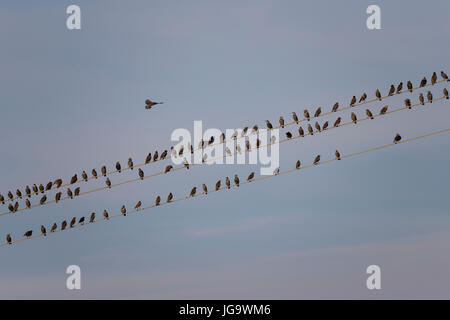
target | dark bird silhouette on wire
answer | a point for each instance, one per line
(423, 83)
(163, 155)
(251, 176)
(41, 188)
(169, 197)
(338, 155)
(108, 183)
(118, 167)
(81, 221)
(316, 159)
(168, 168)
(10, 195)
(337, 122)
(28, 203)
(64, 225)
(318, 112)
(236, 180)
(294, 117)
(157, 201)
(269, 125)
(444, 76)
(384, 110)
(408, 103)
(155, 156)
(94, 173)
(445, 91)
(43, 199)
(310, 129)
(141, 174)
(325, 126)
(35, 189)
(306, 114)
(92, 218)
(19, 194)
(28, 234)
(391, 90)
(410, 86)
(193, 192)
(353, 101)
(301, 132)
(43, 231)
(105, 214)
(84, 176)
(73, 180)
(317, 126)
(73, 221)
(227, 182)
(335, 107)
(58, 197)
(123, 210)
(354, 119)
(433, 78)
(103, 171)
(138, 205)
(288, 135)
(397, 138)
(218, 183)
(282, 122)
(149, 158)
(8, 238)
(205, 188)
(58, 183)
(11, 208)
(363, 97)
(48, 186)
(69, 193)
(421, 99)
(130, 163)
(2, 199)
(378, 94)
(54, 227)
(28, 191)
(399, 87)
(77, 192)
(369, 114)
(297, 164)
(430, 97)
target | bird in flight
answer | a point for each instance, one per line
(149, 103)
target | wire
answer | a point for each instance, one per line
(227, 140)
(241, 183)
(224, 156)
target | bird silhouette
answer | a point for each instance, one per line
(369, 114)
(63, 225)
(2, 199)
(157, 201)
(123, 210)
(325, 126)
(149, 103)
(10, 195)
(218, 183)
(81, 221)
(354, 119)
(94, 173)
(108, 183)
(141, 174)
(384, 110)
(163, 155)
(410, 86)
(397, 138)
(317, 126)
(84, 176)
(193, 191)
(138, 205)
(276, 171)
(445, 91)
(168, 168)
(444, 76)
(294, 117)
(58, 183)
(408, 103)
(19, 194)
(41, 188)
(310, 129)
(118, 167)
(43, 231)
(227, 182)
(423, 82)
(27, 191)
(338, 155)
(301, 132)
(73, 180)
(421, 99)
(105, 214)
(297, 164)
(77, 192)
(222, 137)
(43, 199)
(58, 197)
(169, 197)
(251, 176)
(306, 114)
(130, 163)
(335, 107)
(430, 97)
(244, 131)
(103, 171)
(181, 151)
(54, 227)
(318, 112)
(205, 188)
(399, 87)
(11, 207)
(316, 159)
(378, 94)
(8, 238)
(288, 135)
(236, 180)
(353, 101)
(149, 158)
(35, 189)
(155, 156)
(16, 206)
(391, 90)
(282, 122)
(247, 145)
(72, 222)
(28, 203)
(92, 218)
(434, 78)
(28, 234)
(269, 125)
(337, 122)
(69, 193)
(363, 97)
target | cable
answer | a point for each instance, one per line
(241, 183)
(227, 140)
(223, 157)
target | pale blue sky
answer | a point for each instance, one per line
(73, 100)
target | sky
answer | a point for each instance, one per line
(73, 100)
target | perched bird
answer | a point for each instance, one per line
(149, 103)
(11, 208)
(205, 156)
(138, 205)
(444, 76)
(58, 183)
(384, 110)
(294, 117)
(28, 203)
(64, 225)
(41, 188)
(77, 192)
(337, 122)
(318, 112)
(81, 221)
(149, 158)
(363, 97)
(169, 197)
(163, 155)
(378, 94)
(94, 173)
(228, 151)
(236, 180)
(354, 119)
(353, 101)
(84, 176)
(44, 231)
(16, 206)
(369, 114)
(301, 132)
(103, 171)
(48, 186)
(118, 166)
(258, 143)
(297, 164)
(8, 238)
(251, 176)
(72, 222)
(157, 201)
(211, 140)
(316, 159)
(141, 174)
(27, 191)
(58, 197)
(306, 114)
(288, 135)
(227, 182)
(247, 145)
(28, 233)
(205, 188)
(168, 168)
(2, 199)
(234, 135)
(325, 126)
(10, 195)
(92, 218)
(276, 171)
(43, 199)
(430, 97)
(282, 122)
(391, 90)
(181, 151)
(410, 86)
(434, 78)
(244, 131)
(193, 191)
(19, 194)
(423, 82)
(123, 210)
(105, 214)
(35, 189)
(310, 129)
(130, 163)
(317, 126)
(54, 227)
(335, 107)
(338, 155)
(397, 138)
(155, 156)
(73, 180)
(421, 99)
(218, 183)
(445, 91)
(408, 103)
(69, 193)
(399, 87)
(108, 183)
(222, 137)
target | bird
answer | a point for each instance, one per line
(378, 94)
(58, 197)
(397, 138)
(317, 126)
(236, 180)
(444, 76)
(423, 82)
(105, 214)
(92, 218)
(63, 225)
(318, 112)
(163, 155)
(294, 117)
(73, 180)
(316, 159)
(169, 197)
(391, 90)
(222, 137)
(282, 122)
(16, 206)
(273, 139)
(157, 201)
(54, 227)
(434, 78)
(103, 170)
(297, 164)
(84, 175)
(247, 145)
(77, 192)
(228, 151)
(306, 114)
(251, 176)
(301, 132)
(11, 207)
(276, 171)
(421, 99)
(2, 199)
(258, 143)
(8, 238)
(369, 114)
(58, 183)
(288, 135)
(81, 221)
(227, 182)
(338, 155)
(69, 193)
(181, 151)
(41, 188)
(10, 195)
(168, 168)
(48, 186)
(399, 87)
(28, 203)
(118, 166)
(353, 101)
(72, 222)
(141, 174)
(108, 183)
(44, 231)
(325, 126)
(363, 97)
(149, 103)
(205, 188)
(43, 199)
(35, 189)
(410, 86)
(27, 191)
(335, 107)
(138, 205)
(149, 158)
(94, 173)
(186, 163)
(244, 131)
(211, 140)
(130, 163)
(408, 103)
(155, 156)
(123, 210)
(269, 125)
(310, 129)
(193, 191)
(234, 135)
(384, 110)
(201, 144)
(337, 122)
(205, 156)
(354, 119)
(430, 97)
(19, 194)
(218, 183)
(445, 91)
(28, 233)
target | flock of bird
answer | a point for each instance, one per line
(166, 154)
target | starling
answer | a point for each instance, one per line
(69, 193)
(8, 238)
(155, 156)
(94, 173)
(297, 164)
(49, 186)
(251, 176)
(123, 210)
(169, 197)
(258, 143)
(397, 138)
(81, 221)
(254, 129)
(28, 203)
(149, 158)
(421, 99)
(138, 205)
(276, 171)
(118, 167)
(399, 88)
(157, 201)
(77, 191)
(141, 174)
(353, 101)
(378, 94)
(369, 114)
(363, 97)
(430, 97)
(288, 135)
(205, 156)
(41, 188)
(325, 126)
(218, 185)
(108, 183)
(92, 218)
(410, 86)
(294, 116)
(103, 171)
(301, 132)
(130, 164)
(149, 103)
(54, 227)
(337, 122)
(408, 103)
(444, 76)
(10, 195)
(227, 182)
(383, 110)
(317, 126)
(211, 140)
(163, 155)
(222, 137)
(44, 232)
(28, 191)
(445, 93)
(434, 78)
(423, 82)
(318, 112)
(11, 208)
(193, 191)
(28, 233)
(64, 225)
(338, 155)
(58, 197)
(84, 176)
(19, 193)
(35, 189)
(391, 90)
(181, 151)
(168, 168)
(186, 163)
(2, 199)
(354, 119)
(16, 206)
(306, 114)
(201, 144)
(244, 131)
(335, 107)
(247, 145)
(73, 180)
(72, 223)
(58, 183)
(316, 159)
(310, 129)
(105, 214)
(282, 122)
(236, 180)
(205, 188)
(43, 199)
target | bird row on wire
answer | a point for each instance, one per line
(301, 133)
(202, 144)
(193, 193)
